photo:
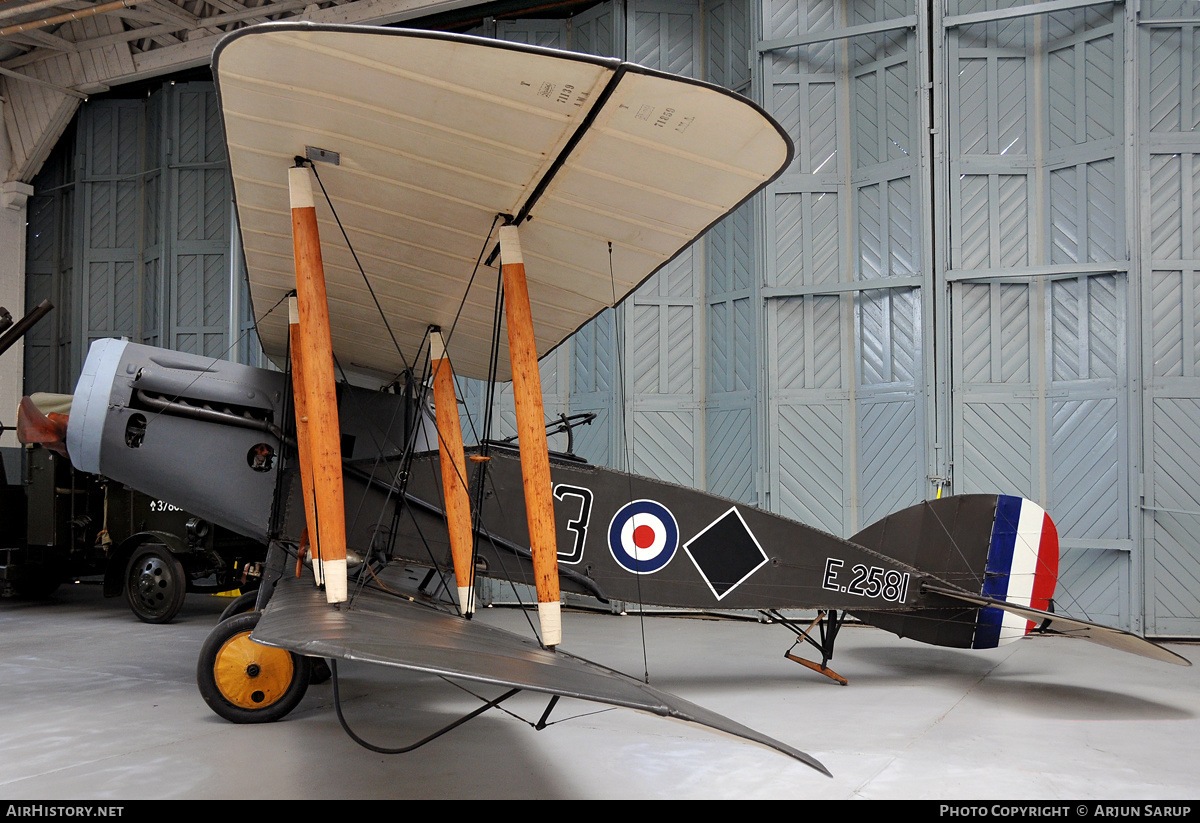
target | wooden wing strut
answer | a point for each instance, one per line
(531, 433)
(313, 370)
(300, 400)
(454, 470)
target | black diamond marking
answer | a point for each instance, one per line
(726, 553)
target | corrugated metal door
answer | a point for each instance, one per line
(1169, 132)
(49, 267)
(198, 206)
(150, 228)
(663, 327)
(1038, 278)
(845, 298)
(732, 297)
(107, 289)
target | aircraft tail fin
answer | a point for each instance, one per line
(993, 547)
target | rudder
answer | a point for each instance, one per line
(999, 546)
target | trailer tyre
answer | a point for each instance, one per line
(246, 682)
(155, 584)
(37, 584)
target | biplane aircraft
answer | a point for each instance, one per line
(474, 196)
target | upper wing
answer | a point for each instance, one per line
(437, 135)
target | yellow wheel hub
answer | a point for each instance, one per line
(250, 675)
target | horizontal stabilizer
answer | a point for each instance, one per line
(394, 631)
(1104, 635)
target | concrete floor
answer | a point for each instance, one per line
(97, 706)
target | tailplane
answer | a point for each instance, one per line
(1073, 627)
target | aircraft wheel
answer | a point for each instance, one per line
(244, 602)
(246, 682)
(155, 584)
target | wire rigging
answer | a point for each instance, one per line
(350, 247)
(627, 447)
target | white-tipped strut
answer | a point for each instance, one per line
(466, 599)
(335, 580)
(300, 188)
(550, 616)
(510, 246)
(437, 346)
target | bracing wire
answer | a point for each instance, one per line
(626, 446)
(361, 271)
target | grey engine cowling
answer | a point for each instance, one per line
(199, 433)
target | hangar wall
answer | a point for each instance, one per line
(977, 275)
(130, 234)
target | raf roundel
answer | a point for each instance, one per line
(643, 536)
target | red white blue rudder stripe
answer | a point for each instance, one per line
(1022, 568)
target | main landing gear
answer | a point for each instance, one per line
(246, 682)
(827, 624)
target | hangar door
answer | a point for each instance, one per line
(131, 235)
(1069, 183)
(1168, 133)
(847, 264)
(1039, 279)
(982, 272)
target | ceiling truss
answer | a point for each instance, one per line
(53, 53)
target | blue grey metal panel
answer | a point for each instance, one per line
(151, 243)
(594, 388)
(844, 347)
(41, 281)
(600, 30)
(732, 301)
(106, 290)
(733, 315)
(1040, 363)
(663, 344)
(49, 260)
(154, 194)
(198, 215)
(1169, 151)
(729, 40)
(550, 34)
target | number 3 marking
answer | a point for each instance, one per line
(579, 525)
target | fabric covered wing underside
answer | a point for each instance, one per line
(392, 631)
(611, 170)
